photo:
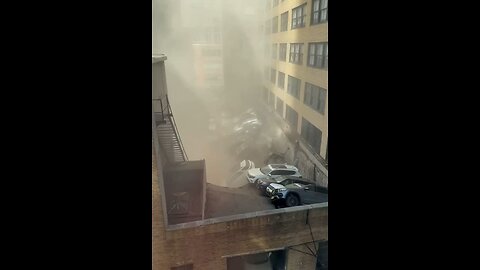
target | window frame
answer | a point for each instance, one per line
(323, 56)
(282, 56)
(284, 21)
(275, 24)
(319, 12)
(308, 133)
(291, 116)
(299, 16)
(273, 75)
(283, 81)
(315, 97)
(295, 92)
(296, 53)
(274, 50)
(279, 109)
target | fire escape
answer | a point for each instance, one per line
(167, 132)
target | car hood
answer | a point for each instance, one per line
(255, 172)
(276, 186)
(268, 180)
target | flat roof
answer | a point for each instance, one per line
(225, 201)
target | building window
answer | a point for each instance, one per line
(280, 107)
(271, 99)
(292, 117)
(273, 76)
(293, 87)
(275, 3)
(275, 24)
(183, 267)
(281, 80)
(296, 54)
(315, 97)
(318, 55)
(319, 11)
(284, 22)
(312, 135)
(268, 27)
(283, 52)
(298, 16)
(269, 4)
(274, 51)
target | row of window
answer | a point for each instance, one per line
(319, 14)
(315, 97)
(317, 53)
(309, 132)
(291, 116)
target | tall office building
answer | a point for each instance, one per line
(296, 70)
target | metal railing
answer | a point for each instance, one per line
(174, 124)
(163, 114)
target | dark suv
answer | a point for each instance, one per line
(296, 193)
(262, 184)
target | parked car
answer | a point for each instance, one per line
(229, 125)
(296, 193)
(246, 164)
(247, 127)
(271, 170)
(246, 115)
(262, 184)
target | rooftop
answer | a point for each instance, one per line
(224, 201)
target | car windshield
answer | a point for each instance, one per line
(265, 170)
(285, 181)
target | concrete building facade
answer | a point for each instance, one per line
(296, 73)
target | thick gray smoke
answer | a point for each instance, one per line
(214, 68)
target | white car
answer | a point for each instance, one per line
(271, 170)
(246, 165)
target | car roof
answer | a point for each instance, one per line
(294, 178)
(283, 166)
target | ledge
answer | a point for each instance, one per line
(245, 216)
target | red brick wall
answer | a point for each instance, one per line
(206, 246)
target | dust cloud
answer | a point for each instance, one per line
(215, 64)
